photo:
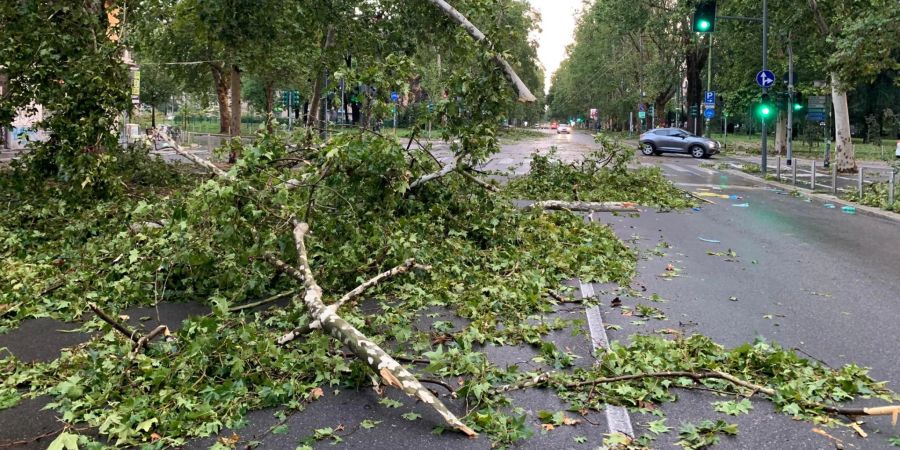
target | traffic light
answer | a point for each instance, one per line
(765, 109)
(797, 104)
(705, 16)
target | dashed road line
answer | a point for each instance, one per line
(617, 418)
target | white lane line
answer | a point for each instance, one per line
(617, 418)
(677, 168)
(704, 169)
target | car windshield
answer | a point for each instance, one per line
(686, 132)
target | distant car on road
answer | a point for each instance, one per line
(562, 128)
(897, 153)
(553, 125)
(676, 140)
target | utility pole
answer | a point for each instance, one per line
(708, 80)
(765, 43)
(790, 109)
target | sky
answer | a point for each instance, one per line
(558, 27)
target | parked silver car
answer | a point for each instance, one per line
(676, 140)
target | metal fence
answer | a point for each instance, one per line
(815, 175)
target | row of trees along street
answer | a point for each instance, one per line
(629, 52)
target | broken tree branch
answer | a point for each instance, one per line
(433, 175)
(465, 173)
(264, 301)
(357, 291)
(139, 341)
(194, 158)
(521, 89)
(367, 351)
(119, 326)
(546, 377)
(585, 206)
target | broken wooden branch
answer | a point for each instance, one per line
(584, 206)
(546, 377)
(139, 341)
(119, 326)
(194, 158)
(521, 89)
(700, 198)
(357, 291)
(465, 173)
(264, 301)
(367, 351)
(433, 175)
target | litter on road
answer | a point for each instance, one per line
(829, 206)
(742, 205)
(696, 208)
(849, 210)
(711, 241)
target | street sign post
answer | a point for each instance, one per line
(709, 97)
(642, 114)
(395, 96)
(765, 78)
(709, 113)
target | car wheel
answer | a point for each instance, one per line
(648, 149)
(698, 151)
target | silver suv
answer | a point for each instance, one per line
(676, 140)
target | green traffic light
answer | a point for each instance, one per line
(765, 111)
(703, 25)
(797, 107)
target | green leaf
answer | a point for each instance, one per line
(280, 429)
(65, 441)
(147, 424)
(368, 424)
(411, 416)
(659, 426)
(733, 408)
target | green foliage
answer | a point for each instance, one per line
(704, 434)
(602, 176)
(76, 78)
(876, 195)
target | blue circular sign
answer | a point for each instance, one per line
(709, 113)
(765, 78)
(395, 96)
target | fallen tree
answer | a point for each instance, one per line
(392, 372)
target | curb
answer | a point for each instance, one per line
(862, 209)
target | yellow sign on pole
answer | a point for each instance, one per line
(136, 83)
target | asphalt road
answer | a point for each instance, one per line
(806, 276)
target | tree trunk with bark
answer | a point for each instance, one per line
(235, 112)
(270, 106)
(696, 59)
(221, 80)
(781, 133)
(844, 155)
(313, 118)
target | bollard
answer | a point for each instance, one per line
(834, 179)
(778, 170)
(891, 189)
(812, 182)
(859, 182)
(794, 173)
(209, 142)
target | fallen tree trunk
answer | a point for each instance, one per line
(194, 158)
(585, 206)
(521, 89)
(140, 341)
(367, 351)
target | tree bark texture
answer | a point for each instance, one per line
(781, 133)
(367, 351)
(696, 60)
(221, 80)
(524, 94)
(313, 118)
(235, 112)
(844, 155)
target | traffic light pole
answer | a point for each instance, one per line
(765, 44)
(706, 131)
(790, 108)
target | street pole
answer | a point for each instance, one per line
(765, 43)
(706, 131)
(290, 117)
(790, 108)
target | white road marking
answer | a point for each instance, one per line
(703, 169)
(677, 168)
(617, 418)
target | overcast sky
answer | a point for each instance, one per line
(557, 25)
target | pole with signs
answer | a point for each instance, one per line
(765, 44)
(790, 107)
